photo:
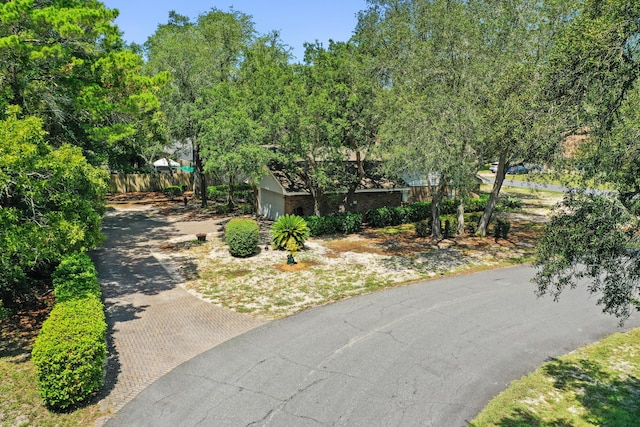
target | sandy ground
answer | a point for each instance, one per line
(329, 268)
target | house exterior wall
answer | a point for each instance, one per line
(270, 204)
(303, 205)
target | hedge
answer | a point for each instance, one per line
(345, 223)
(242, 237)
(415, 212)
(70, 352)
(75, 277)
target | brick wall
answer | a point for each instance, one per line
(303, 205)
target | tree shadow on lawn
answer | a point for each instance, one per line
(607, 399)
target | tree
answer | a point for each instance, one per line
(51, 204)
(516, 40)
(66, 63)
(201, 57)
(243, 114)
(328, 115)
(426, 54)
(596, 237)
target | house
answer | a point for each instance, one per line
(282, 192)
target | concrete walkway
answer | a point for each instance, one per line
(154, 324)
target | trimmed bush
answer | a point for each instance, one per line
(173, 191)
(75, 277)
(350, 222)
(70, 352)
(289, 227)
(346, 223)
(448, 229)
(501, 229)
(242, 236)
(423, 228)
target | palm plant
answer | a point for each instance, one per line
(289, 230)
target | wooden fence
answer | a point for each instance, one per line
(129, 183)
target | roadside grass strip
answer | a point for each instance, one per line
(598, 385)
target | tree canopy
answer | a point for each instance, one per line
(51, 204)
(593, 75)
(65, 62)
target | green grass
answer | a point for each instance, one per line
(595, 386)
(21, 404)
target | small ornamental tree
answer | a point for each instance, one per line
(289, 228)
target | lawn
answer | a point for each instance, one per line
(597, 385)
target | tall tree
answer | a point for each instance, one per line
(329, 116)
(66, 63)
(593, 76)
(201, 57)
(426, 53)
(516, 40)
(243, 115)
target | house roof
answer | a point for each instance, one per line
(374, 180)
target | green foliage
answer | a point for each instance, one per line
(242, 236)
(423, 228)
(70, 352)
(65, 63)
(345, 223)
(591, 237)
(173, 191)
(289, 228)
(75, 277)
(510, 203)
(415, 212)
(219, 192)
(449, 228)
(4, 312)
(501, 229)
(51, 204)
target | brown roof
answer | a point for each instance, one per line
(292, 182)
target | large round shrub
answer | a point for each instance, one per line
(242, 237)
(289, 228)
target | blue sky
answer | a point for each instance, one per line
(298, 21)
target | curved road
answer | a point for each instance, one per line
(429, 354)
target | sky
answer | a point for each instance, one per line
(298, 21)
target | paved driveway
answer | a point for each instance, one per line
(430, 354)
(154, 324)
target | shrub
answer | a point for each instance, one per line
(222, 209)
(423, 228)
(70, 352)
(247, 209)
(476, 205)
(75, 277)
(4, 312)
(242, 237)
(289, 227)
(173, 191)
(511, 203)
(501, 229)
(350, 222)
(448, 230)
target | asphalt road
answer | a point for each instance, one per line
(429, 354)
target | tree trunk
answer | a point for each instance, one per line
(199, 182)
(461, 217)
(483, 225)
(436, 199)
(346, 203)
(230, 192)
